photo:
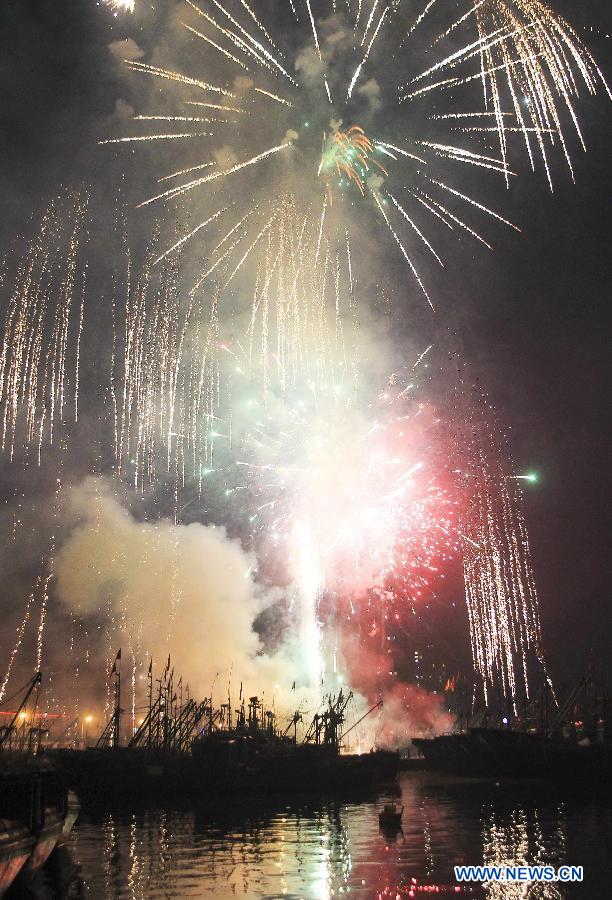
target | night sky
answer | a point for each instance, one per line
(533, 318)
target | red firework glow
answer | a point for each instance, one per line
(383, 521)
(364, 505)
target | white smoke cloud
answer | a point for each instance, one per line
(123, 110)
(225, 157)
(375, 182)
(370, 90)
(336, 36)
(308, 64)
(126, 49)
(335, 39)
(242, 84)
(184, 590)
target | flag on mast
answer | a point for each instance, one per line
(117, 659)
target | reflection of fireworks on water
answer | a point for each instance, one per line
(501, 69)
(522, 838)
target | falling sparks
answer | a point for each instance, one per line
(499, 582)
(198, 182)
(39, 358)
(20, 632)
(273, 96)
(403, 249)
(366, 55)
(121, 5)
(189, 236)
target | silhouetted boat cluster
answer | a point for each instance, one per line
(194, 749)
(565, 740)
(509, 753)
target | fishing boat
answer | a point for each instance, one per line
(390, 817)
(37, 811)
(569, 743)
(36, 815)
(16, 842)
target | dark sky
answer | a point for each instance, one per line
(533, 318)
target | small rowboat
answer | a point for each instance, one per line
(390, 816)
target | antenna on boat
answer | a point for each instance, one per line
(377, 705)
(111, 735)
(117, 713)
(229, 699)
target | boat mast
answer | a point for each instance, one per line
(150, 703)
(117, 722)
(11, 726)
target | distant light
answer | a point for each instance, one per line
(505, 720)
(89, 718)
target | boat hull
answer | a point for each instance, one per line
(33, 817)
(108, 775)
(514, 754)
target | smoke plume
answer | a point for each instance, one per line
(184, 590)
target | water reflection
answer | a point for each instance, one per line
(323, 849)
(521, 838)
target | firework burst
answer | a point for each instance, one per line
(498, 71)
(347, 153)
(121, 5)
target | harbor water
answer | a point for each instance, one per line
(310, 847)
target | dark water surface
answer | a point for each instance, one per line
(321, 848)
